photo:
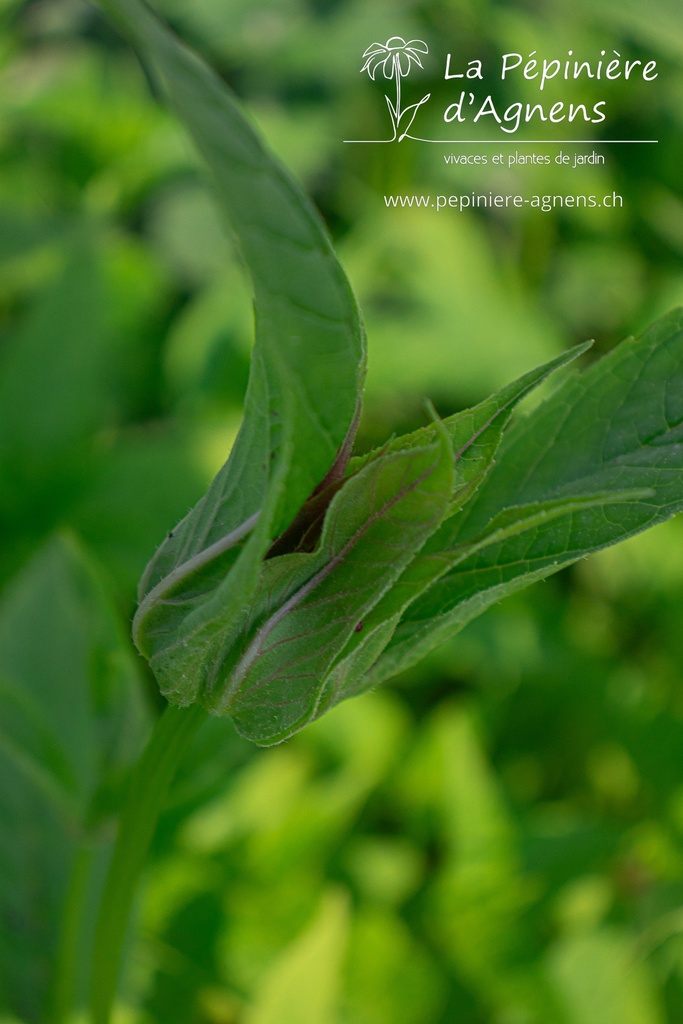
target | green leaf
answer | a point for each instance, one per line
(270, 676)
(309, 357)
(70, 696)
(302, 986)
(600, 980)
(28, 741)
(61, 343)
(56, 396)
(478, 900)
(391, 975)
(72, 723)
(608, 444)
(476, 897)
(330, 612)
(434, 562)
(475, 435)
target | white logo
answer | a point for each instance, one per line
(396, 57)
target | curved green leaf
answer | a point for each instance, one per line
(271, 677)
(309, 356)
(615, 430)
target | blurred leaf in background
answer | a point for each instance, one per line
(73, 722)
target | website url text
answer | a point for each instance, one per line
(496, 201)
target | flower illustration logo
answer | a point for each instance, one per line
(396, 58)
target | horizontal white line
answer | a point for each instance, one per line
(516, 142)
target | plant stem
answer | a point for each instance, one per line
(147, 792)
(68, 953)
(398, 95)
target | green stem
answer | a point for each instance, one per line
(69, 951)
(147, 792)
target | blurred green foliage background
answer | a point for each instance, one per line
(497, 838)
